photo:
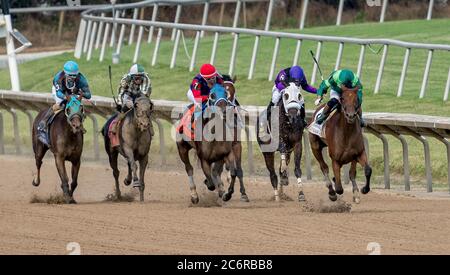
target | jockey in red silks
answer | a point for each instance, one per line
(199, 91)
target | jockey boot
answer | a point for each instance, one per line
(43, 124)
(119, 118)
(324, 115)
(361, 120)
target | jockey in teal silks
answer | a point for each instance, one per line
(335, 81)
(67, 82)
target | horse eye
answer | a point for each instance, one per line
(213, 96)
(286, 96)
(299, 97)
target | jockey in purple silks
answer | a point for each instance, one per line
(294, 75)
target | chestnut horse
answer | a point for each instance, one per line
(344, 139)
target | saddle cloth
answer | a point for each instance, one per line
(320, 130)
(113, 137)
(186, 126)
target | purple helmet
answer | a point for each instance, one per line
(296, 75)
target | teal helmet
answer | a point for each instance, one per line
(71, 68)
(347, 78)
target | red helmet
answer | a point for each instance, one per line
(208, 71)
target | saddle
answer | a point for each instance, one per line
(44, 133)
(319, 130)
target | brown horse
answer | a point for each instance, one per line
(135, 140)
(237, 145)
(344, 138)
(66, 144)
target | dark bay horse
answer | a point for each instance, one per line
(66, 144)
(344, 138)
(135, 140)
(237, 145)
(288, 133)
(213, 151)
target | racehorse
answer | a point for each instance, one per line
(289, 134)
(65, 133)
(237, 146)
(344, 139)
(212, 152)
(134, 144)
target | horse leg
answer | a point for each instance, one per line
(298, 170)
(239, 172)
(284, 174)
(231, 163)
(184, 155)
(269, 158)
(316, 148)
(206, 167)
(352, 175)
(132, 167)
(337, 177)
(61, 166)
(39, 153)
(367, 171)
(217, 169)
(113, 163)
(75, 170)
(129, 177)
(142, 166)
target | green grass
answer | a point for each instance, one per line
(173, 84)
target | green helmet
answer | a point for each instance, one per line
(347, 78)
(136, 69)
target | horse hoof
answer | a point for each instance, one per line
(226, 197)
(194, 200)
(72, 201)
(301, 196)
(126, 182)
(340, 191)
(212, 187)
(365, 190)
(333, 197)
(244, 198)
(356, 200)
(36, 184)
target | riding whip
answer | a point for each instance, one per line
(110, 83)
(317, 63)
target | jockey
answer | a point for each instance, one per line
(293, 74)
(335, 81)
(202, 84)
(65, 83)
(134, 84)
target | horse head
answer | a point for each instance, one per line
(218, 98)
(292, 102)
(350, 104)
(75, 114)
(142, 111)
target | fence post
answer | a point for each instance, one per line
(95, 136)
(339, 56)
(205, 17)
(155, 51)
(361, 60)
(307, 151)
(222, 11)
(339, 14)
(237, 11)
(99, 33)
(430, 10)
(133, 26)
(297, 52)
(60, 24)
(404, 71)
(138, 44)
(387, 180)
(214, 48)
(86, 41)
(92, 41)
(175, 50)
(383, 11)
(152, 28)
(269, 15)
(303, 16)
(274, 58)
(233, 54)
(105, 40)
(254, 54)
(381, 69)
(426, 73)
(162, 145)
(194, 51)
(114, 30)
(447, 87)
(80, 39)
(177, 19)
(314, 72)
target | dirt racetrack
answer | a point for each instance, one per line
(166, 223)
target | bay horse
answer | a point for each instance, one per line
(212, 152)
(134, 144)
(344, 139)
(228, 84)
(289, 135)
(66, 143)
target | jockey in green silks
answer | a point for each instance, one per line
(335, 81)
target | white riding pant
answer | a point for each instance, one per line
(334, 94)
(55, 97)
(276, 95)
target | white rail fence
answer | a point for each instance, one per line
(422, 128)
(97, 27)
